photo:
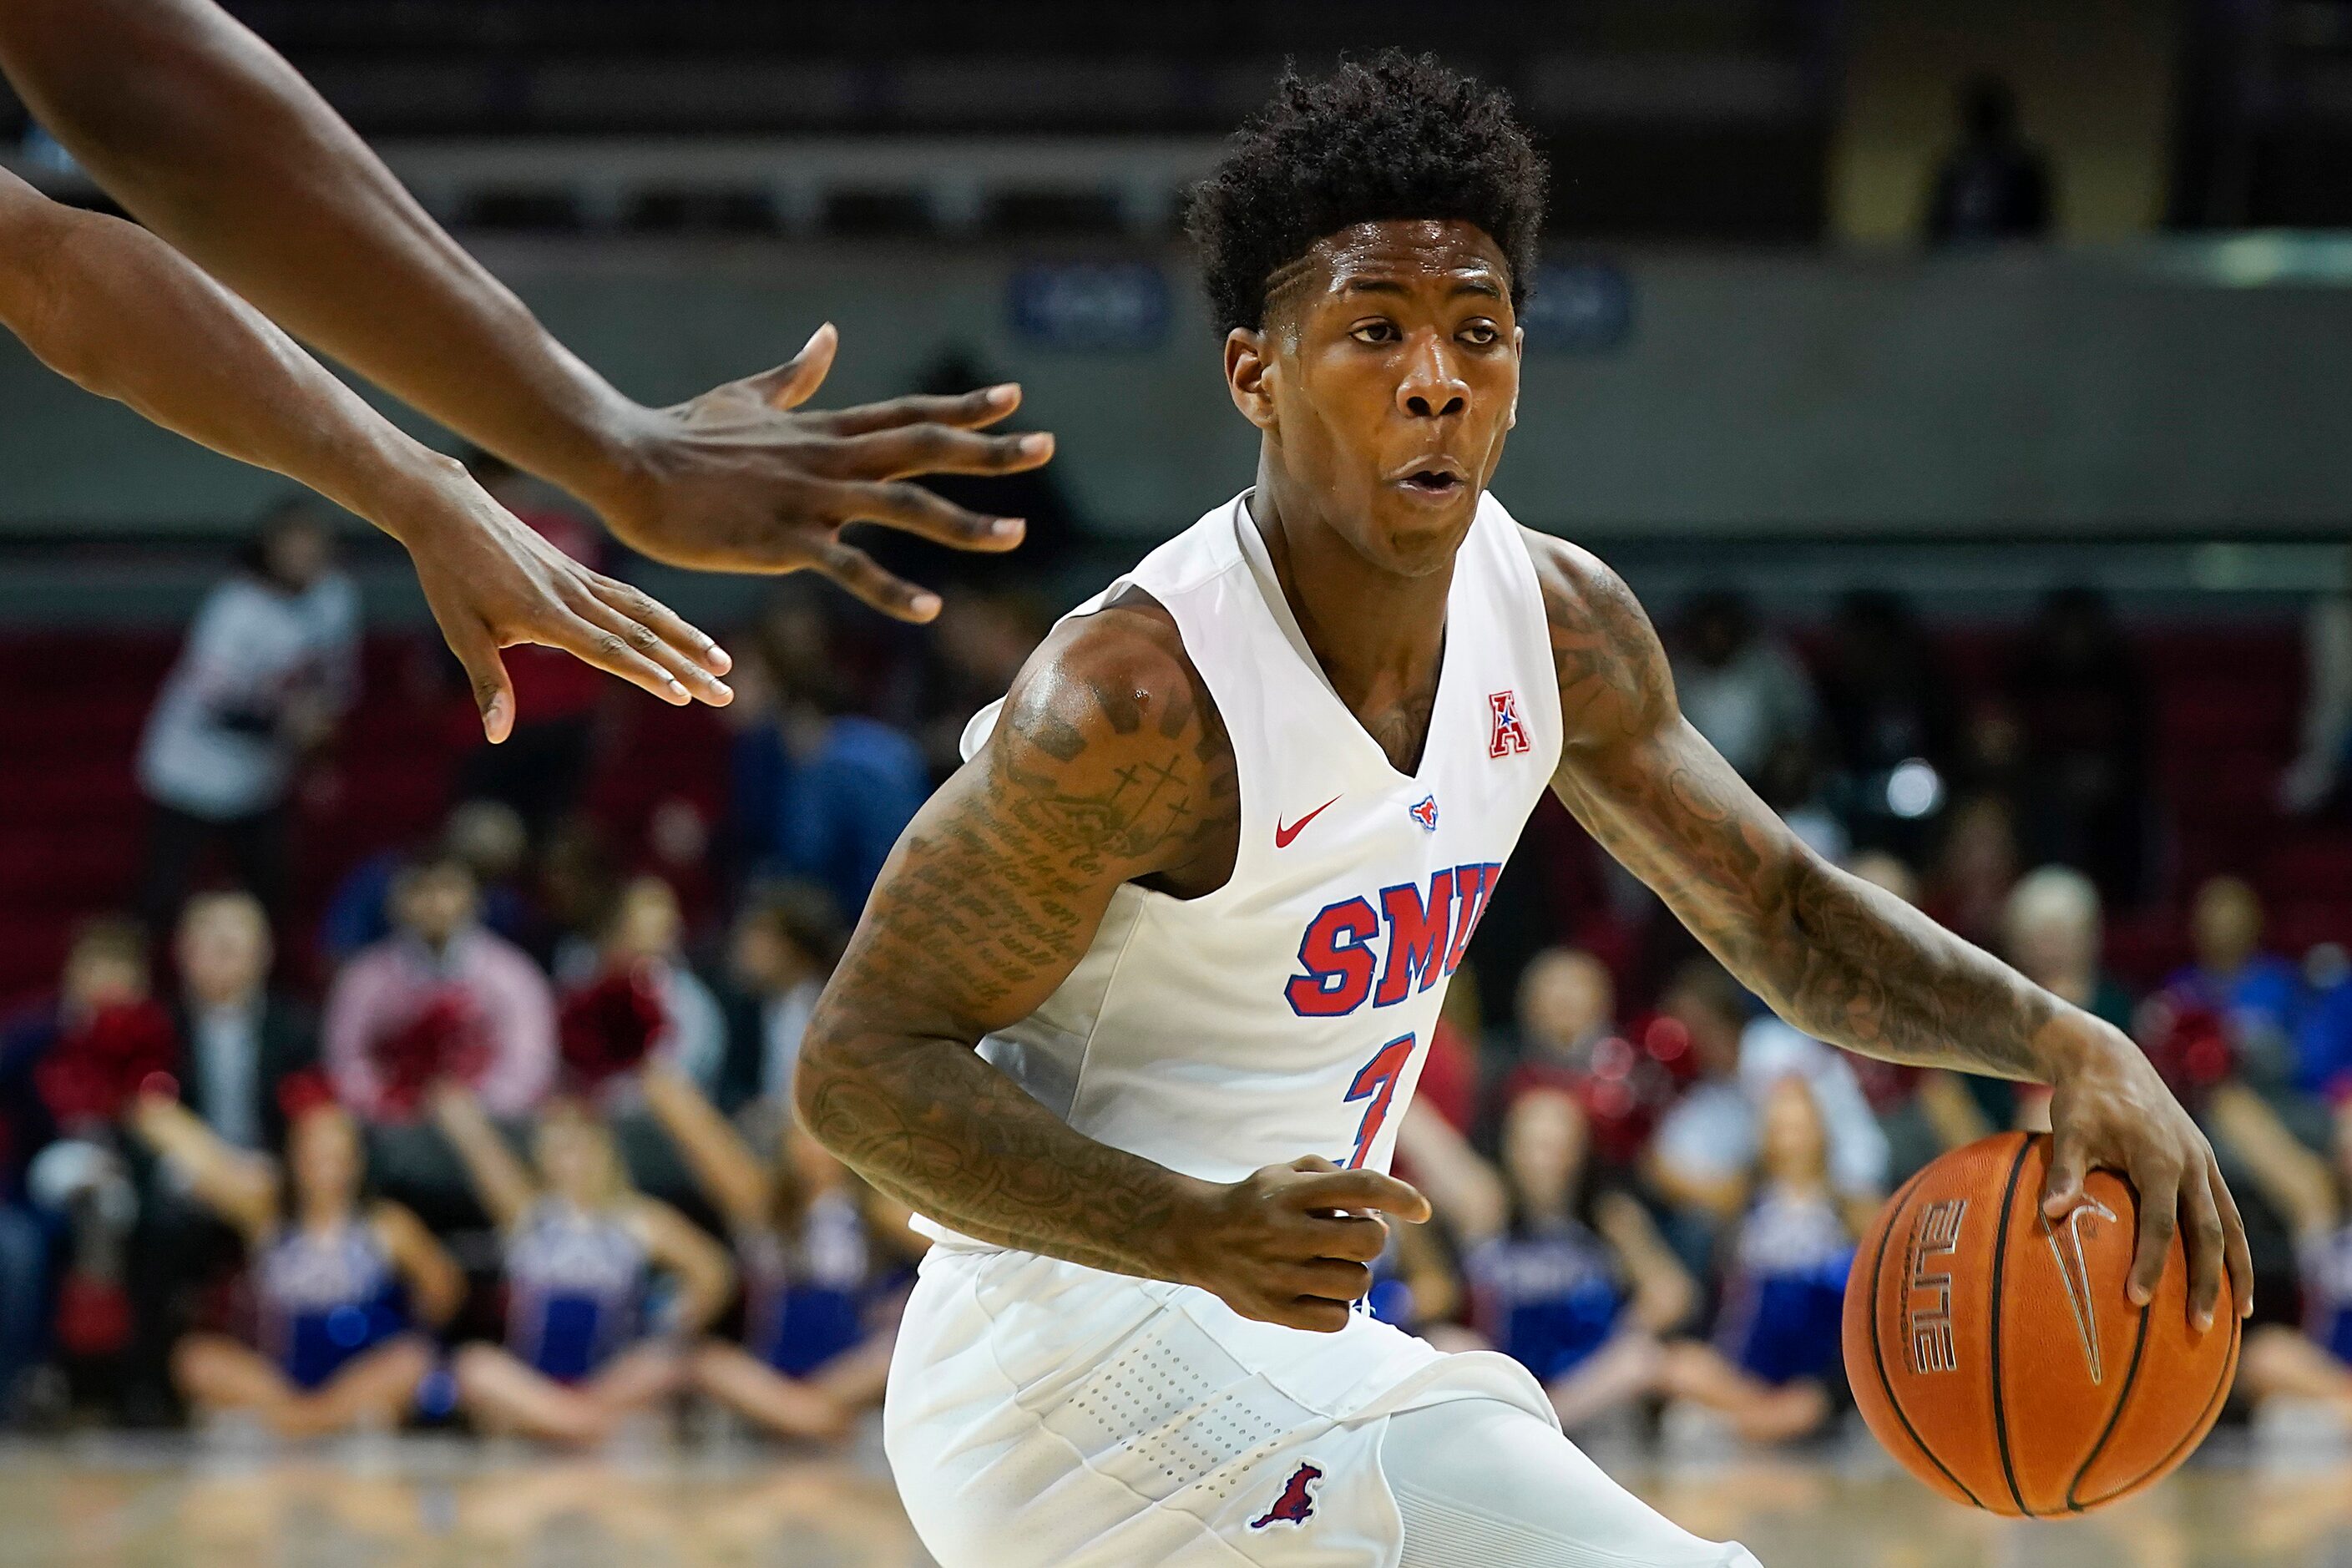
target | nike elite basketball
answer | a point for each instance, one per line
(1996, 1355)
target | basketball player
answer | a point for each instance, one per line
(1195, 895)
(213, 141)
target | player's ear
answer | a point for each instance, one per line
(1249, 372)
(1518, 351)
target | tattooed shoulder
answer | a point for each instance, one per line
(1111, 733)
(1614, 679)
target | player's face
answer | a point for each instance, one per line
(1386, 379)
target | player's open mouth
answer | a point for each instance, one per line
(1436, 481)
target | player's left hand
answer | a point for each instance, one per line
(2109, 1108)
(734, 481)
(492, 583)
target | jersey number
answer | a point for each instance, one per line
(1376, 1081)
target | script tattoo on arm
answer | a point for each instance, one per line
(1836, 957)
(1107, 765)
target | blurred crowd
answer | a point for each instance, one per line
(518, 1157)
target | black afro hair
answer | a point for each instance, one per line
(1396, 136)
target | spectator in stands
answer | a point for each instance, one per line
(1993, 185)
(2317, 776)
(2313, 1364)
(238, 1043)
(268, 668)
(2258, 996)
(1698, 1161)
(1886, 701)
(786, 941)
(2323, 1046)
(1708, 1146)
(827, 1262)
(1739, 688)
(75, 1061)
(644, 944)
(1975, 868)
(1564, 1271)
(2082, 708)
(240, 1038)
(1923, 1111)
(347, 1287)
(2051, 930)
(441, 997)
(820, 792)
(486, 834)
(543, 763)
(1568, 1023)
(580, 1359)
(1775, 1351)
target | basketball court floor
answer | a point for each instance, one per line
(116, 1502)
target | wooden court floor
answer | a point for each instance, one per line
(386, 1503)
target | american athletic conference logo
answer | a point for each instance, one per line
(1509, 736)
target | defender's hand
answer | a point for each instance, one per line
(2109, 1108)
(493, 583)
(731, 481)
(1293, 1244)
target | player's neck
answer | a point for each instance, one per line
(1378, 634)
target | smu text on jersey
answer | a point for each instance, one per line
(1385, 947)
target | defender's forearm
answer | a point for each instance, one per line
(212, 140)
(931, 1123)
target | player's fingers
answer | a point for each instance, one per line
(1313, 1163)
(1362, 1190)
(672, 627)
(2159, 1208)
(2207, 1246)
(1331, 1279)
(2241, 1256)
(856, 571)
(898, 504)
(1360, 1237)
(966, 411)
(477, 651)
(939, 450)
(681, 667)
(795, 381)
(1314, 1313)
(2070, 1158)
(588, 638)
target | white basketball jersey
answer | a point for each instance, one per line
(1289, 1011)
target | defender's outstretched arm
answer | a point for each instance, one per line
(1841, 959)
(115, 309)
(1106, 765)
(208, 136)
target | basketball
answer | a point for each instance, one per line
(1996, 1355)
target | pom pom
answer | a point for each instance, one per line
(442, 1039)
(608, 1027)
(93, 1070)
(303, 1091)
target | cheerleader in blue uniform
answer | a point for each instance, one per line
(582, 1252)
(1568, 1279)
(343, 1288)
(826, 1263)
(1775, 1356)
(2313, 1364)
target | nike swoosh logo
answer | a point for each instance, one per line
(2075, 1273)
(1283, 836)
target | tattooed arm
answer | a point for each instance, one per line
(1107, 765)
(1841, 959)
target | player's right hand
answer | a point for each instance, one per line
(1294, 1243)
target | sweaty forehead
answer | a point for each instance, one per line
(1451, 253)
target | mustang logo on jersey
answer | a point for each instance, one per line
(1426, 937)
(1297, 1503)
